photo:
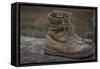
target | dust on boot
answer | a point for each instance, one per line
(62, 40)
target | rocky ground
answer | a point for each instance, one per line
(32, 51)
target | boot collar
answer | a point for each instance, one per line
(58, 16)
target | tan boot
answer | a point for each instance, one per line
(61, 39)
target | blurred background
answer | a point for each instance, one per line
(34, 21)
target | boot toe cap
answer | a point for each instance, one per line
(85, 51)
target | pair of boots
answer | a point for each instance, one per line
(61, 39)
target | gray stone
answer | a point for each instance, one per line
(32, 51)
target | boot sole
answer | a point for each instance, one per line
(49, 51)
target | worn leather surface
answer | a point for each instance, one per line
(71, 47)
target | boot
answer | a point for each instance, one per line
(61, 39)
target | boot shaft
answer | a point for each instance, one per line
(60, 25)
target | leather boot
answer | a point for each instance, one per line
(61, 39)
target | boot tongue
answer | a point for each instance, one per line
(60, 15)
(56, 17)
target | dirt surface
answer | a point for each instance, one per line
(32, 51)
